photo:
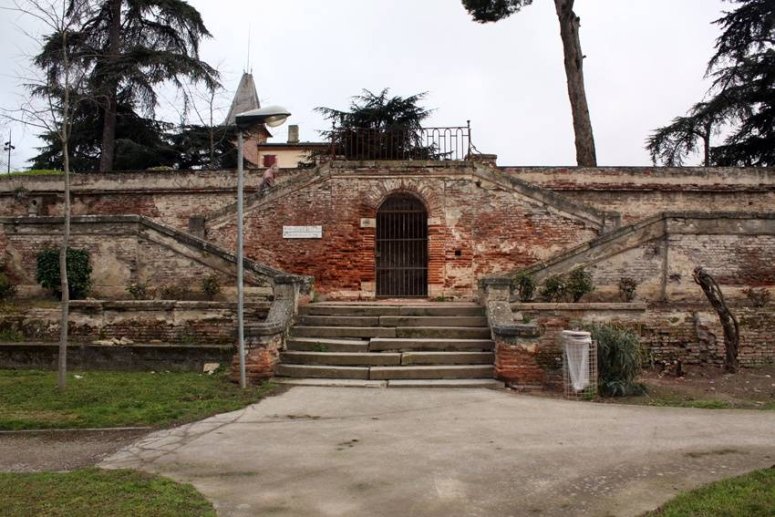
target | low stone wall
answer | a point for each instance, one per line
(43, 356)
(127, 250)
(690, 333)
(134, 322)
(528, 352)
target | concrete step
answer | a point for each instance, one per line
(445, 383)
(388, 332)
(441, 332)
(431, 372)
(433, 345)
(330, 383)
(393, 321)
(341, 359)
(438, 358)
(433, 321)
(322, 372)
(341, 332)
(379, 309)
(312, 344)
(411, 383)
(339, 321)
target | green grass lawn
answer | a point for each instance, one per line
(90, 492)
(752, 495)
(29, 399)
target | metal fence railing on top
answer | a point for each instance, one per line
(428, 143)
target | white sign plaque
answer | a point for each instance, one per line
(302, 232)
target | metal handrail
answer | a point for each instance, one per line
(427, 143)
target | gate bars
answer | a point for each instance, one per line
(402, 248)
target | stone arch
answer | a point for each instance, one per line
(375, 197)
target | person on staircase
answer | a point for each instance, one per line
(267, 181)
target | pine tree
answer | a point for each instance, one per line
(741, 100)
(378, 126)
(129, 47)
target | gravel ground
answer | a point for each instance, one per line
(60, 450)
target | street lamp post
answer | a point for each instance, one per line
(272, 116)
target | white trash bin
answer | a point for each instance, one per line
(576, 359)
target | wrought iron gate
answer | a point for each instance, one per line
(402, 248)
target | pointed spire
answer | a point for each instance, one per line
(245, 99)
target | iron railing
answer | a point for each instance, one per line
(427, 143)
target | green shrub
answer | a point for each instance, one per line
(7, 289)
(525, 285)
(138, 291)
(579, 283)
(627, 288)
(78, 272)
(175, 292)
(555, 289)
(210, 287)
(619, 360)
(758, 297)
(9, 335)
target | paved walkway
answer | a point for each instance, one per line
(376, 452)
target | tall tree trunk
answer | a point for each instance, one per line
(110, 89)
(707, 131)
(574, 64)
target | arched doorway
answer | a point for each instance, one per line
(402, 248)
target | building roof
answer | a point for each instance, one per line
(245, 99)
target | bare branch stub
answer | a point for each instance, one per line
(728, 321)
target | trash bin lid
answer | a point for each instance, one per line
(576, 334)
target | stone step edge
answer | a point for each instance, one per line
(398, 383)
(444, 372)
(398, 359)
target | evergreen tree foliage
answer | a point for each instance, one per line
(379, 126)
(191, 145)
(142, 142)
(128, 48)
(741, 100)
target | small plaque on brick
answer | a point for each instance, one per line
(368, 222)
(302, 232)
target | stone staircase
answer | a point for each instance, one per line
(422, 344)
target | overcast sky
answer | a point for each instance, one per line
(645, 64)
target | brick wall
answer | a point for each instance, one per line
(640, 192)
(687, 332)
(737, 249)
(475, 227)
(478, 224)
(142, 322)
(123, 251)
(169, 197)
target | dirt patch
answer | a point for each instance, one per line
(60, 450)
(708, 386)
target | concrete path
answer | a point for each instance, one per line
(380, 452)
